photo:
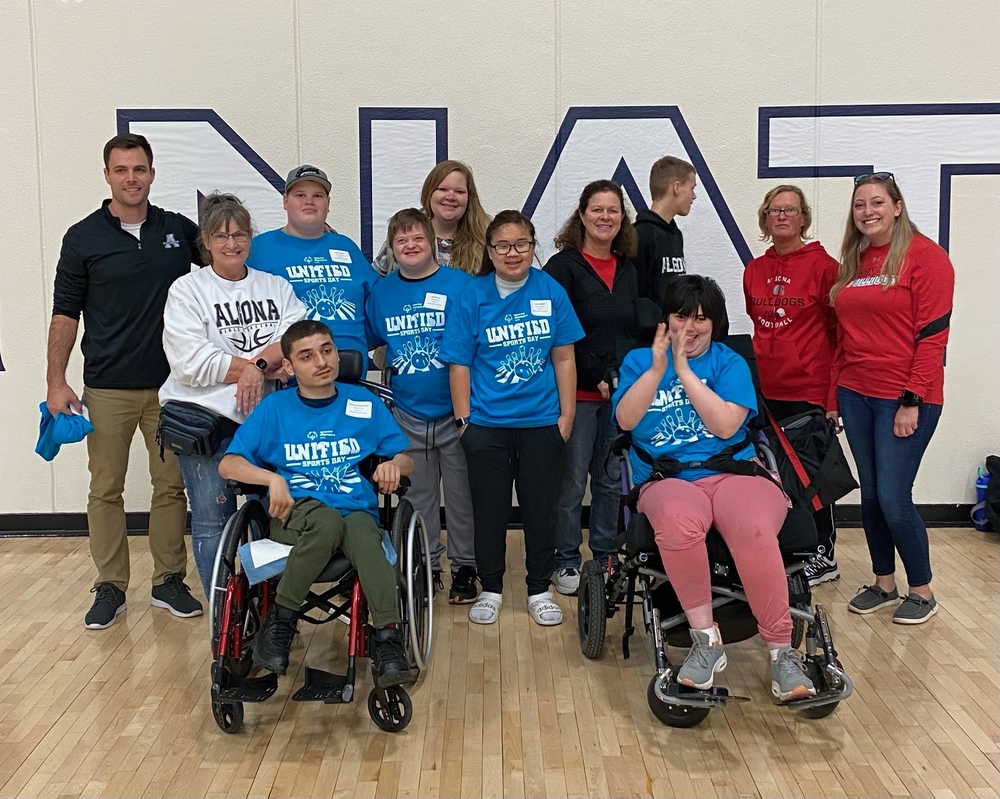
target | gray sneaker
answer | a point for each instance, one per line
(915, 610)
(702, 662)
(870, 598)
(788, 677)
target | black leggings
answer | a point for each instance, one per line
(530, 459)
(782, 409)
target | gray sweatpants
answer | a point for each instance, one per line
(438, 456)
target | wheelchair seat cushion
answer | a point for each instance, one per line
(334, 571)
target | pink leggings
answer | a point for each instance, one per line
(747, 511)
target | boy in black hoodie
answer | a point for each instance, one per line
(661, 244)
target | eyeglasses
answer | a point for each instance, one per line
(876, 175)
(240, 237)
(504, 247)
(789, 212)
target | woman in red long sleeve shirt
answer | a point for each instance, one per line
(787, 292)
(893, 297)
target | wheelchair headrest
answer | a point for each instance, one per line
(648, 315)
(352, 366)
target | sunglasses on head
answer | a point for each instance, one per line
(876, 175)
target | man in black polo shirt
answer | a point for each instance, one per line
(115, 268)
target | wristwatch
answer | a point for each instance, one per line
(261, 364)
(910, 400)
(461, 421)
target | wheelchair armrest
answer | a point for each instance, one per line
(245, 489)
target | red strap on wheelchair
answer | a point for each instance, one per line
(793, 457)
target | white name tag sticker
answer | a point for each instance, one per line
(435, 302)
(359, 409)
(340, 256)
(541, 307)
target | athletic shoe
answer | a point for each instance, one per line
(568, 581)
(870, 598)
(703, 661)
(437, 584)
(270, 650)
(109, 602)
(463, 586)
(821, 569)
(389, 662)
(915, 610)
(174, 595)
(788, 676)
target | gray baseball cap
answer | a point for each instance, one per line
(307, 172)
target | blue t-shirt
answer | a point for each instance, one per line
(409, 317)
(329, 274)
(317, 450)
(671, 426)
(506, 342)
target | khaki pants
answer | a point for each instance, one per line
(115, 414)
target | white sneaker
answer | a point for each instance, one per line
(568, 581)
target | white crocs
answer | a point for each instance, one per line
(486, 609)
(543, 610)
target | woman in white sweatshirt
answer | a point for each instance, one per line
(222, 327)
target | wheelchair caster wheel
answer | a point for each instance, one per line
(680, 716)
(817, 674)
(592, 610)
(228, 715)
(390, 709)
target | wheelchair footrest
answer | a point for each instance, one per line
(716, 696)
(322, 686)
(230, 688)
(821, 698)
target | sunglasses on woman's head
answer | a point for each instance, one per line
(876, 175)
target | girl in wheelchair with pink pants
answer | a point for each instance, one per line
(688, 402)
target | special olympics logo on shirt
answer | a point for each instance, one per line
(324, 303)
(418, 355)
(520, 365)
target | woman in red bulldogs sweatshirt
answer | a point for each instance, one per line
(787, 292)
(893, 297)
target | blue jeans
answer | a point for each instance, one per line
(588, 447)
(212, 503)
(887, 466)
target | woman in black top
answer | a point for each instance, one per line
(594, 265)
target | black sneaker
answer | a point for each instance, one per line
(174, 595)
(463, 586)
(109, 602)
(270, 651)
(437, 584)
(389, 664)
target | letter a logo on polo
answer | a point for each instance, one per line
(170, 242)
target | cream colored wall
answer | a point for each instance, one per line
(289, 77)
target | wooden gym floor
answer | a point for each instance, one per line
(511, 710)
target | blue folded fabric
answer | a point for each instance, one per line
(64, 428)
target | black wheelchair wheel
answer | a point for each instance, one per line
(592, 611)
(249, 523)
(228, 715)
(680, 716)
(817, 674)
(798, 585)
(390, 709)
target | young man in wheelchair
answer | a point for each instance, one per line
(688, 402)
(305, 445)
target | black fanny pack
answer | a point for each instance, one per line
(187, 429)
